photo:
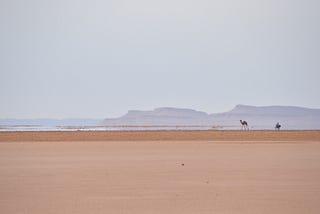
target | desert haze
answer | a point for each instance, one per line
(263, 117)
(167, 117)
(160, 172)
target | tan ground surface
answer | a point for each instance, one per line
(160, 136)
(250, 173)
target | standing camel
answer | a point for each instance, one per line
(244, 125)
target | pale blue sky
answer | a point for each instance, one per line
(92, 58)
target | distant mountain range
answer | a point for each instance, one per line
(289, 117)
(258, 118)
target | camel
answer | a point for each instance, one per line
(278, 126)
(244, 125)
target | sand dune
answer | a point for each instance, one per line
(160, 172)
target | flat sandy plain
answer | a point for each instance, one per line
(160, 172)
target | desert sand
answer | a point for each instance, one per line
(160, 172)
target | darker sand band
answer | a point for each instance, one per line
(57, 136)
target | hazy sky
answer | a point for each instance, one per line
(100, 58)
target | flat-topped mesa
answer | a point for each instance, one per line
(166, 112)
(161, 116)
(136, 113)
(274, 110)
(242, 109)
(183, 112)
